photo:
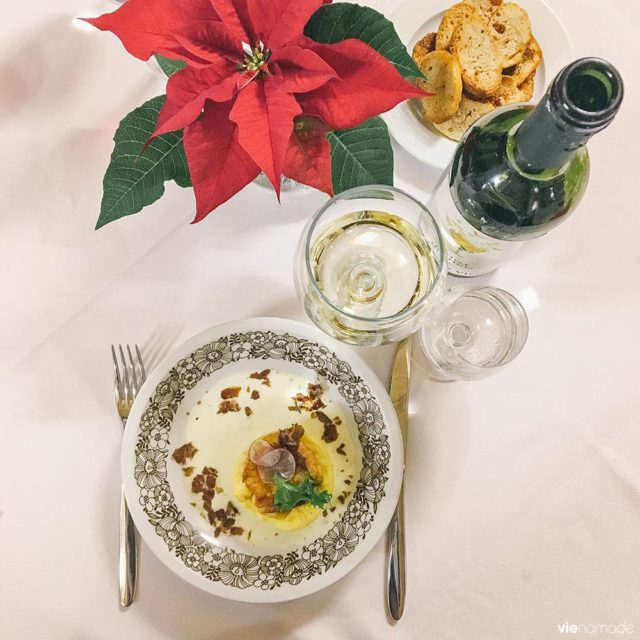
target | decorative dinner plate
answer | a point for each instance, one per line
(188, 474)
(413, 20)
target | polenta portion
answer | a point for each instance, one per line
(258, 495)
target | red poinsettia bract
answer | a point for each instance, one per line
(256, 94)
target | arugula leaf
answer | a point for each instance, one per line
(289, 495)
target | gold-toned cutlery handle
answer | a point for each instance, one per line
(128, 565)
(396, 563)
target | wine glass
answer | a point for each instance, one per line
(473, 332)
(370, 265)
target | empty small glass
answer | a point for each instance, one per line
(473, 332)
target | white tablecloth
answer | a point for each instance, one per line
(523, 491)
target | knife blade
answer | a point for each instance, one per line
(396, 554)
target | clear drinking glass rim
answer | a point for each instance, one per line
(518, 339)
(441, 267)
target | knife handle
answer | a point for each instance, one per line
(396, 567)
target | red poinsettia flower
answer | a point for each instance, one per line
(250, 72)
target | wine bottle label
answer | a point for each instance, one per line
(469, 251)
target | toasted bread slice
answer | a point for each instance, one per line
(510, 30)
(451, 20)
(526, 89)
(444, 80)
(510, 92)
(487, 7)
(478, 57)
(507, 92)
(531, 59)
(468, 112)
(423, 48)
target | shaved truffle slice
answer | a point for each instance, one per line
(263, 376)
(205, 482)
(291, 436)
(227, 406)
(289, 439)
(310, 402)
(330, 433)
(184, 453)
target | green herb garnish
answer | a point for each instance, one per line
(289, 495)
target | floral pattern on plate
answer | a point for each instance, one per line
(232, 568)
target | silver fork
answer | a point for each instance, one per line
(129, 377)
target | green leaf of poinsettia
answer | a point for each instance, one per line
(361, 156)
(170, 66)
(333, 23)
(135, 178)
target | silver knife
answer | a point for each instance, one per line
(396, 561)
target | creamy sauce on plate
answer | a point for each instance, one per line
(222, 441)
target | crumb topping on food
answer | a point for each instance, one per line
(330, 433)
(289, 439)
(309, 402)
(223, 520)
(263, 376)
(227, 406)
(205, 482)
(184, 453)
(230, 392)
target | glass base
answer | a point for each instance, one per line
(474, 333)
(286, 184)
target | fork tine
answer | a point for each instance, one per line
(142, 371)
(127, 383)
(116, 373)
(134, 373)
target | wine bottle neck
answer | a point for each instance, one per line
(542, 143)
(581, 101)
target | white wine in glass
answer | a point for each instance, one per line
(370, 266)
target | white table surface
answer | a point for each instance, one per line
(523, 491)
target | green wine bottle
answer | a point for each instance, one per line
(519, 171)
